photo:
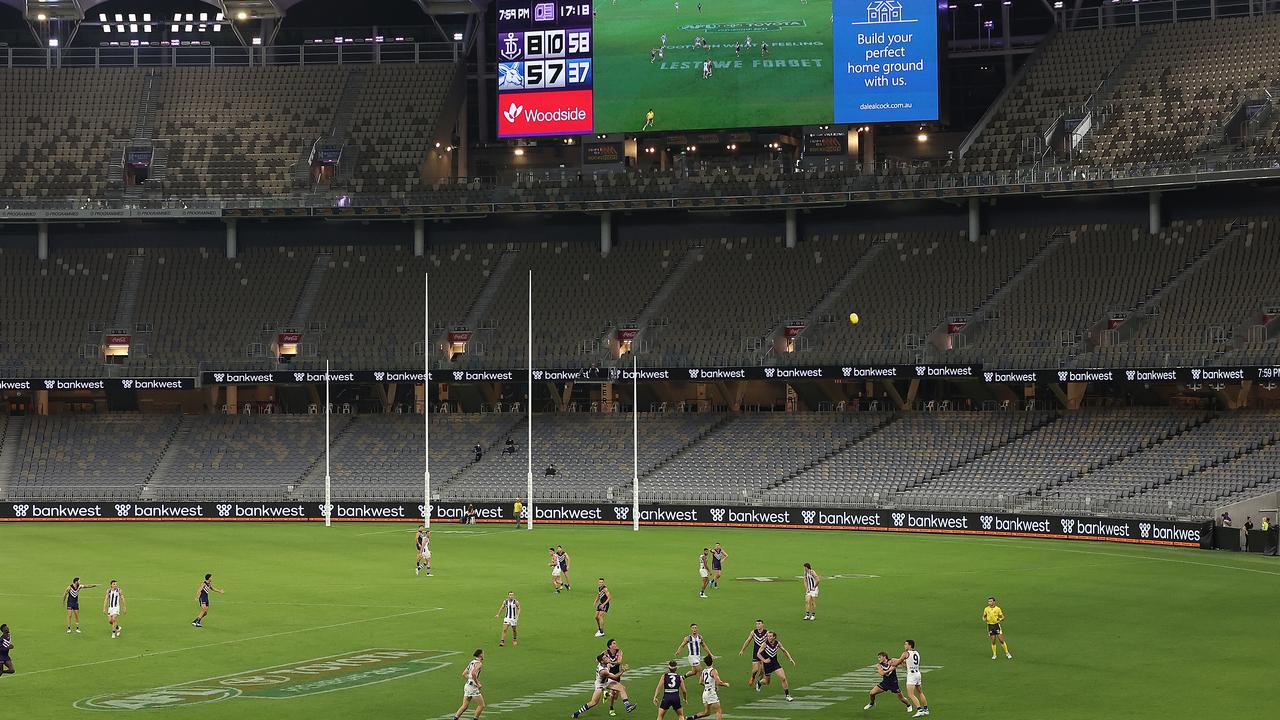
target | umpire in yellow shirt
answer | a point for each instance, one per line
(992, 615)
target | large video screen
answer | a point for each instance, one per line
(605, 66)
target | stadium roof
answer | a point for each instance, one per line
(76, 9)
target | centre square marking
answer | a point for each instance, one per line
(281, 682)
(821, 694)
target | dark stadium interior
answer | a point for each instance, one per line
(1096, 200)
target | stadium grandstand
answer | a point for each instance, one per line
(1064, 281)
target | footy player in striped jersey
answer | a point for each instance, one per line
(509, 611)
(671, 688)
(71, 600)
(603, 598)
(424, 551)
(915, 691)
(606, 681)
(718, 556)
(811, 581)
(6, 645)
(755, 639)
(202, 597)
(556, 573)
(711, 684)
(563, 558)
(697, 647)
(888, 682)
(113, 606)
(613, 659)
(472, 690)
(704, 571)
(770, 665)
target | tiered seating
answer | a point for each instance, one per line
(60, 130)
(395, 118)
(242, 131)
(75, 457)
(1054, 453)
(49, 308)
(909, 451)
(242, 456)
(1178, 93)
(205, 308)
(1067, 71)
(1046, 319)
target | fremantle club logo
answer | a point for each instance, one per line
(1145, 529)
(986, 521)
(621, 512)
(808, 516)
(122, 509)
(899, 519)
(20, 510)
(717, 514)
(224, 509)
(1068, 525)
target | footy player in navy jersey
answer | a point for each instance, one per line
(603, 598)
(509, 611)
(563, 558)
(718, 556)
(770, 665)
(202, 597)
(613, 659)
(755, 639)
(606, 681)
(671, 688)
(556, 572)
(472, 689)
(6, 645)
(424, 551)
(697, 647)
(113, 606)
(888, 682)
(71, 600)
(711, 684)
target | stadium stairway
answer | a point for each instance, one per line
(127, 305)
(314, 474)
(310, 291)
(1220, 461)
(479, 307)
(8, 426)
(655, 303)
(164, 463)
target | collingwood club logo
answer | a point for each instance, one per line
(224, 509)
(1130, 374)
(808, 516)
(717, 514)
(1063, 375)
(458, 374)
(537, 374)
(1145, 529)
(770, 372)
(899, 519)
(621, 512)
(122, 509)
(986, 521)
(218, 377)
(20, 510)
(1068, 525)
(693, 373)
(377, 376)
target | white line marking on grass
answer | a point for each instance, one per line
(233, 602)
(233, 642)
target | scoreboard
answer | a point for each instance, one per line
(545, 67)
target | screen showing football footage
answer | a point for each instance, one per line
(569, 67)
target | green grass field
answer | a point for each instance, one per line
(793, 85)
(1097, 630)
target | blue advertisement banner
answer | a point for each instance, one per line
(885, 60)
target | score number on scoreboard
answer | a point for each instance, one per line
(544, 67)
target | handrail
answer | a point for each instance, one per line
(191, 55)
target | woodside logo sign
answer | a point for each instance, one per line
(282, 682)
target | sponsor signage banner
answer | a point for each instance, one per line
(70, 384)
(603, 153)
(288, 338)
(118, 339)
(628, 333)
(459, 336)
(1154, 532)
